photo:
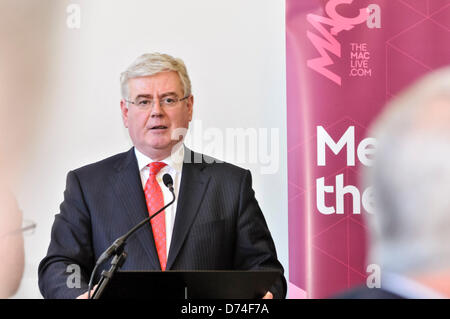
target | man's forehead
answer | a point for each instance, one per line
(158, 83)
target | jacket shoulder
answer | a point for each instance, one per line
(224, 175)
(105, 166)
(221, 168)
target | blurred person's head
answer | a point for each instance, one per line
(410, 230)
(157, 103)
(25, 28)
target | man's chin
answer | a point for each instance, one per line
(157, 149)
(158, 142)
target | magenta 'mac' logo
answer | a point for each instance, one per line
(328, 43)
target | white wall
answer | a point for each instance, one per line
(235, 53)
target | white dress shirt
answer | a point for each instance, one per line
(174, 168)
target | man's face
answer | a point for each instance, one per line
(152, 129)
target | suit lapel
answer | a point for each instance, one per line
(193, 185)
(127, 185)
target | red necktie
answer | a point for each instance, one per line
(155, 200)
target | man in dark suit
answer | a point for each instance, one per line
(215, 224)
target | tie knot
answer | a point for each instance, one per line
(155, 167)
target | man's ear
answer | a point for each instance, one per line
(190, 105)
(124, 110)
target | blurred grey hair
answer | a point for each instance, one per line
(152, 63)
(410, 229)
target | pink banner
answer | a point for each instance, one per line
(345, 60)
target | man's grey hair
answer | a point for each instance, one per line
(152, 63)
(410, 230)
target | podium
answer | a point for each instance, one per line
(174, 284)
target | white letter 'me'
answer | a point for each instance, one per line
(324, 139)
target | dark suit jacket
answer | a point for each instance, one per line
(218, 224)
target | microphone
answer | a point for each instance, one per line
(168, 181)
(118, 245)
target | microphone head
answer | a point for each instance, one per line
(167, 180)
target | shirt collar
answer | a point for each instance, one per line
(175, 160)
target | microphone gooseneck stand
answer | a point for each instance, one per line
(117, 249)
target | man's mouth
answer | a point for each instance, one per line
(158, 127)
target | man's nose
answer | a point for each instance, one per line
(156, 109)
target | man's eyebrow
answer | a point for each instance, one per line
(144, 95)
(167, 94)
(160, 96)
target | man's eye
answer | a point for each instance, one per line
(144, 102)
(169, 100)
